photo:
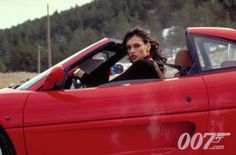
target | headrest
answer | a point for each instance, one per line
(183, 58)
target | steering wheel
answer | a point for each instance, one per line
(76, 83)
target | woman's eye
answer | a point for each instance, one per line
(128, 47)
(137, 45)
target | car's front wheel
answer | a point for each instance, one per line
(6, 147)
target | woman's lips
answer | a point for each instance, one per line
(133, 57)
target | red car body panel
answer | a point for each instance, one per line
(142, 135)
(111, 102)
(18, 139)
(222, 107)
(100, 112)
(12, 106)
(223, 121)
(11, 116)
(220, 87)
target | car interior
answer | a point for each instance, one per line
(98, 65)
(100, 62)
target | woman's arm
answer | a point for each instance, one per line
(142, 69)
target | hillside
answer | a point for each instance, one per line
(74, 29)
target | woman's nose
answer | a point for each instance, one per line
(132, 50)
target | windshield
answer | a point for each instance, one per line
(29, 83)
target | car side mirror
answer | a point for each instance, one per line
(54, 79)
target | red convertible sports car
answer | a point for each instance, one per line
(55, 114)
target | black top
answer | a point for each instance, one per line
(141, 69)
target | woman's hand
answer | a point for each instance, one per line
(78, 73)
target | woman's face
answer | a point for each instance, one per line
(137, 49)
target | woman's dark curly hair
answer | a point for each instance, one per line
(155, 51)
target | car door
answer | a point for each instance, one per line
(219, 67)
(140, 118)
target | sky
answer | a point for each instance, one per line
(14, 12)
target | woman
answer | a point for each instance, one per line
(143, 52)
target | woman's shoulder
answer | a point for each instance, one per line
(146, 62)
